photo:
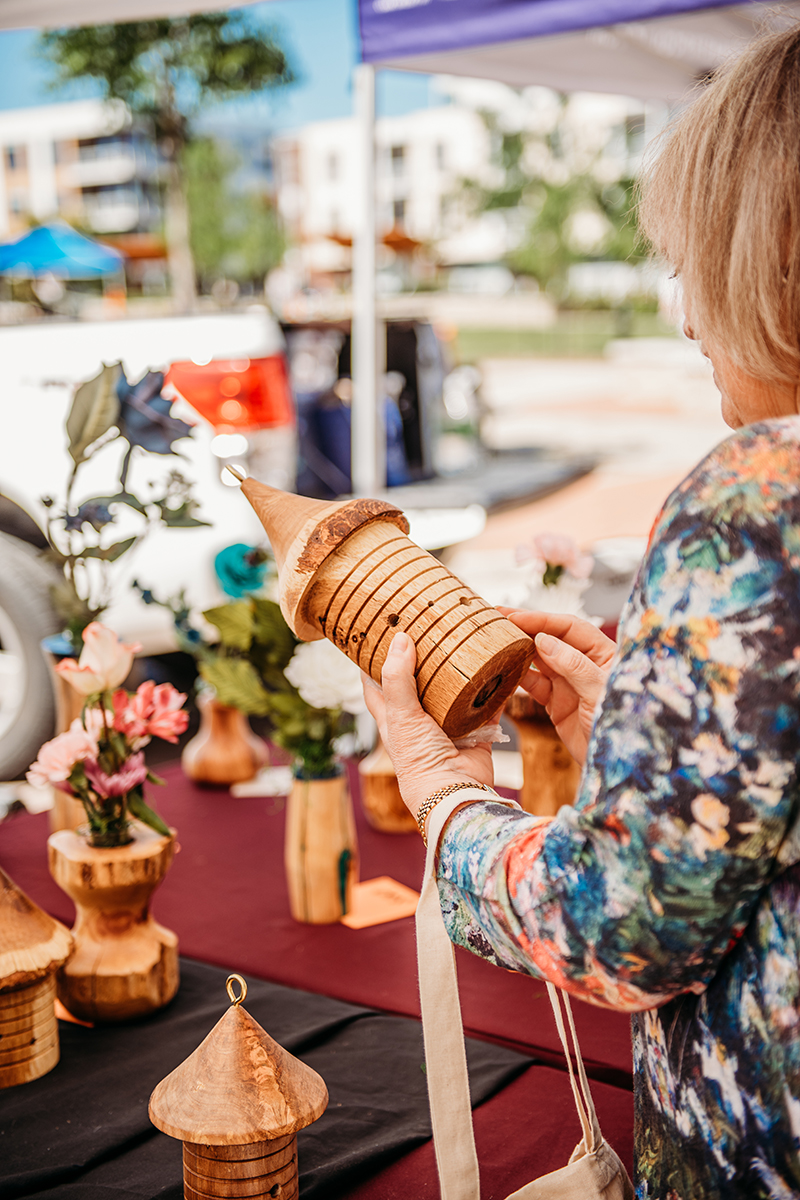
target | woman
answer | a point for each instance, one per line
(672, 889)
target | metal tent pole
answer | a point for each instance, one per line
(368, 449)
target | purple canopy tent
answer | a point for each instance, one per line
(652, 49)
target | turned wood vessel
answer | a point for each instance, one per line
(32, 947)
(320, 850)
(224, 750)
(550, 775)
(124, 964)
(237, 1104)
(380, 794)
(349, 572)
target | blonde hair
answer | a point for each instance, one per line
(721, 202)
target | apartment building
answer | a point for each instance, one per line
(81, 160)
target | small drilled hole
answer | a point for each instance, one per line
(430, 604)
(392, 618)
(465, 599)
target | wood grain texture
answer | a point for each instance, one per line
(320, 850)
(349, 572)
(28, 1032)
(272, 1172)
(380, 794)
(469, 657)
(239, 1087)
(32, 944)
(124, 963)
(224, 750)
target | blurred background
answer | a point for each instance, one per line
(196, 196)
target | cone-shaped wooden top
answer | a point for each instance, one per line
(32, 944)
(238, 1087)
(324, 523)
(303, 533)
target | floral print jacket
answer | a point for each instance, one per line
(672, 889)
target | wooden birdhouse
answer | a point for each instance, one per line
(32, 948)
(349, 572)
(237, 1103)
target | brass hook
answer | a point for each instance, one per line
(236, 1000)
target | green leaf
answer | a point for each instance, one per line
(272, 632)
(143, 812)
(110, 553)
(234, 622)
(180, 518)
(95, 408)
(236, 683)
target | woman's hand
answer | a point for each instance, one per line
(424, 757)
(571, 666)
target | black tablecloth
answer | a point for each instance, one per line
(82, 1132)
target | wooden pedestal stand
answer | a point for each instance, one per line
(349, 572)
(124, 963)
(380, 794)
(550, 775)
(237, 1103)
(32, 947)
(321, 851)
(224, 750)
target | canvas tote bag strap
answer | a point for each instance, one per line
(592, 1136)
(445, 1054)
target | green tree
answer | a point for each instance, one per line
(546, 201)
(165, 70)
(233, 233)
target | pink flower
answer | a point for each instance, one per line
(169, 718)
(151, 712)
(556, 550)
(58, 757)
(130, 775)
(104, 661)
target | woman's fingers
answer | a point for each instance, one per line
(376, 706)
(582, 635)
(584, 676)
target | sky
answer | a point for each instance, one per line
(320, 39)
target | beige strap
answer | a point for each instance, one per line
(443, 1031)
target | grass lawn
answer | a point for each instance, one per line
(575, 334)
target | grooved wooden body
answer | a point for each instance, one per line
(349, 572)
(28, 1032)
(469, 657)
(124, 964)
(237, 1103)
(261, 1169)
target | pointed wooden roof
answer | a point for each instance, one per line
(239, 1086)
(32, 944)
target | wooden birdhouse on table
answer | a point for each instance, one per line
(32, 947)
(349, 572)
(237, 1103)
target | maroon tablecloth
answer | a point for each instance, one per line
(225, 897)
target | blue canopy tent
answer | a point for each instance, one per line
(58, 250)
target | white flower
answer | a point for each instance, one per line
(325, 677)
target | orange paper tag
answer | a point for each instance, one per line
(376, 901)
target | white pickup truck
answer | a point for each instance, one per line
(41, 364)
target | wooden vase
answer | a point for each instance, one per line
(224, 750)
(320, 852)
(349, 572)
(124, 964)
(550, 775)
(380, 794)
(32, 947)
(237, 1103)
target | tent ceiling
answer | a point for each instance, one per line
(35, 14)
(655, 59)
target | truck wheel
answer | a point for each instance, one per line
(27, 701)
